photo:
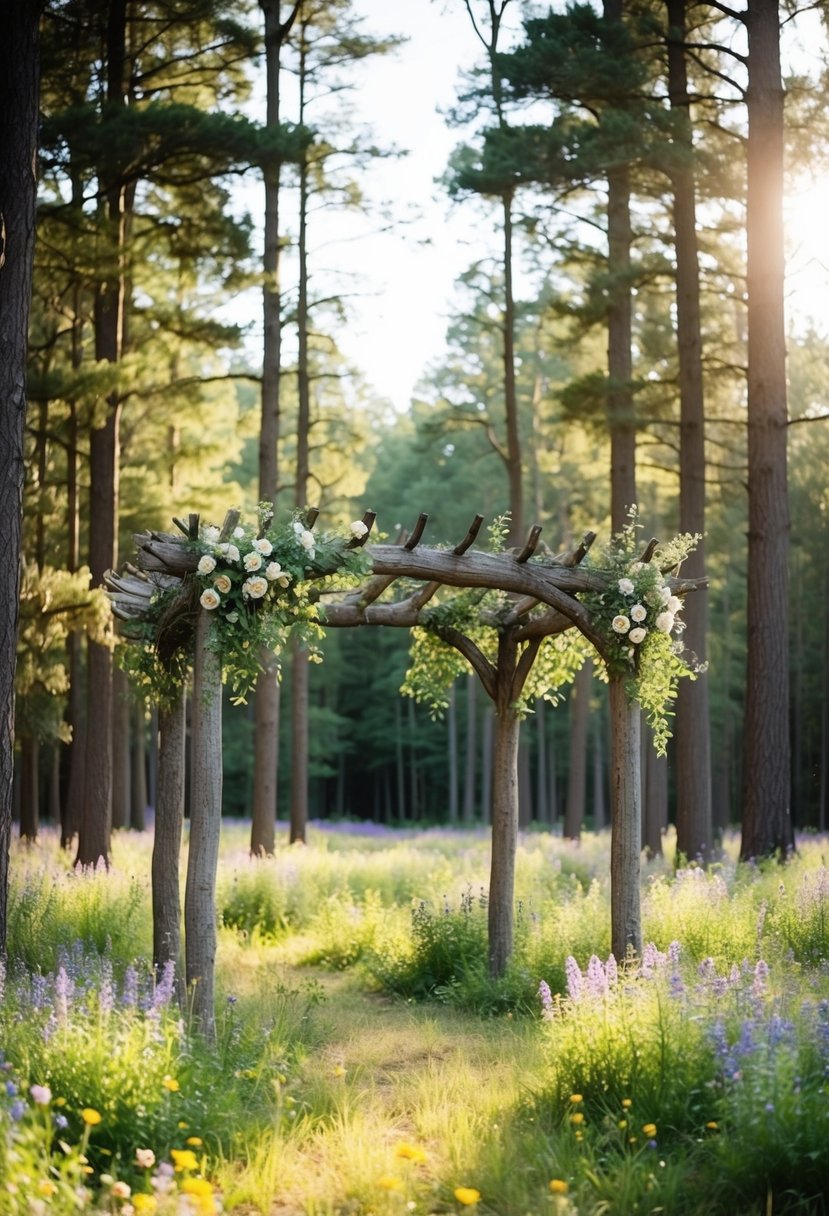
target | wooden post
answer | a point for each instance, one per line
(626, 820)
(205, 829)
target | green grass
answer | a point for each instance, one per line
(365, 1063)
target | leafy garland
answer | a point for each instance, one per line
(260, 585)
(640, 618)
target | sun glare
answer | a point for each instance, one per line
(806, 218)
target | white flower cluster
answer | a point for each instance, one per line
(260, 572)
(661, 607)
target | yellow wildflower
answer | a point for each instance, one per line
(576, 1098)
(338, 1071)
(144, 1203)
(90, 1117)
(627, 1103)
(713, 1126)
(411, 1152)
(171, 1084)
(649, 1129)
(467, 1195)
(195, 1141)
(559, 1187)
(389, 1183)
(46, 1188)
(577, 1118)
(196, 1186)
(184, 1159)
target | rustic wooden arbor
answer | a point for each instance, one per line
(540, 602)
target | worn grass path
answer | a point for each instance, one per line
(387, 1074)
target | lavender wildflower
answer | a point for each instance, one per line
(761, 977)
(575, 981)
(596, 977)
(129, 997)
(546, 998)
(165, 988)
(64, 991)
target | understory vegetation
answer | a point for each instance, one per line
(365, 1063)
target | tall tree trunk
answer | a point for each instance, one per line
(525, 787)
(169, 817)
(104, 459)
(400, 766)
(626, 822)
(766, 821)
(138, 767)
(205, 829)
(619, 335)
(577, 776)
(19, 92)
(541, 783)
(300, 670)
(694, 830)
(266, 702)
(73, 802)
(599, 800)
(514, 463)
(121, 778)
(299, 743)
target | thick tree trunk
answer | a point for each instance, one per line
(73, 802)
(766, 820)
(205, 830)
(626, 821)
(19, 91)
(504, 839)
(577, 776)
(169, 816)
(265, 759)
(694, 831)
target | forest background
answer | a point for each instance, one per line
(577, 153)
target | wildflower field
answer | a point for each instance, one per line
(365, 1063)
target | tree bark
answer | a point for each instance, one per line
(694, 830)
(470, 767)
(626, 822)
(205, 830)
(138, 767)
(504, 839)
(19, 93)
(654, 795)
(121, 779)
(169, 817)
(766, 820)
(299, 743)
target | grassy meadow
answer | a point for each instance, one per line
(365, 1064)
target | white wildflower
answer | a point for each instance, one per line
(210, 533)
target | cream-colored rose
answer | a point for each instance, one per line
(222, 584)
(207, 564)
(263, 545)
(253, 561)
(638, 613)
(272, 571)
(620, 624)
(209, 599)
(254, 588)
(638, 635)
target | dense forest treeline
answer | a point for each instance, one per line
(603, 353)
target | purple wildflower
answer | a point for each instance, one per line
(64, 991)
(165, 988)
(761, 978)
(17, 1110)
(596, 977)
(575, 981)
(130, 995)
(546, 998)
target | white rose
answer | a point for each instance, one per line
(298, 527)
(638, 613)
(638, 635)
(674, 604)
(253, 560)
(357, 528)
(209, 599)
(230, 552)
(664, 594)
(272, 571)
(306, 539)
(222, 584)
(626, 586)
(207, 564)
(238, 533)
(665, 622)
(254, 588)
(263, 545)
(210, 533)
(620, 624)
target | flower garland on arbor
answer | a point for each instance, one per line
(641, 619)
(259, 584)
